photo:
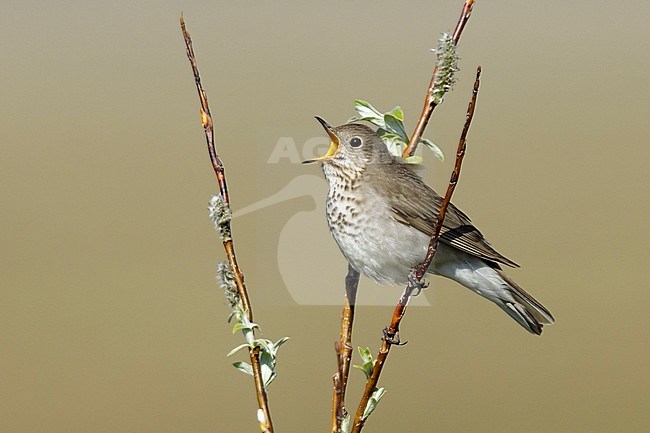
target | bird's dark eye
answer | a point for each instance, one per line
(356, 142)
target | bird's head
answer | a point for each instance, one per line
(352, 146)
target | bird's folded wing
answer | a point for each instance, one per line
(458, 230)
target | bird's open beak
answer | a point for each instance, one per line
(334, 143)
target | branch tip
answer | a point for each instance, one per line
(430, 102)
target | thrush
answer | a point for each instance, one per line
(382, 216)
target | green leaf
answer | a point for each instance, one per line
(373, 401)
(237, 327)
(435, 149)
(365, 109)
(270, 379)
(243, 367)
(273, 347)
(367, 119)
(281, 341)
(368, 362)
(237, 349)
(247, 323)
(267, 364)
(393, 142)
(368, 113)
(397, 113)
(249, 335)
(365, 354)
(391, 129)
(263, 343)
(396, 126)
(362, 368)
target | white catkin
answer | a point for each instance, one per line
(447, 64)
(221, 215)
(226, 280)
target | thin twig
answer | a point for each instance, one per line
(344, 350)
(217, 165)
(429, 100)
(453, 181)
(391, 333)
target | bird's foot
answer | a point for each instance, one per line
(414, 286)
(419, 287)
(393, 339)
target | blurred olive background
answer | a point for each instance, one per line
(110, 317)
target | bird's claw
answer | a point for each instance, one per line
(419, 287)
(414, 286)
(393, 339)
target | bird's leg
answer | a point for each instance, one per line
(413, 287)
(344, 350)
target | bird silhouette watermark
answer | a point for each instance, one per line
(293, 213)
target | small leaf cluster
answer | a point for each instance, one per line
(268, 350)
(391, 129)
(366, 368)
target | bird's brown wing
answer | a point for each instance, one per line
(457, 231)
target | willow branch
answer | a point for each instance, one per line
(217, 165)
(429, 100)
(391, 333)
(344, 350)
(453, 181)
(390, 337)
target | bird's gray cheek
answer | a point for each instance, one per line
(373, 157)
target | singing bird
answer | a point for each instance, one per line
(382, 216)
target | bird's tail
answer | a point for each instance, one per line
(522, 307)
(489, 281)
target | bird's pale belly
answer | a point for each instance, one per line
(376, 244)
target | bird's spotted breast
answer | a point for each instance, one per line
(343, 204)
(368, 236)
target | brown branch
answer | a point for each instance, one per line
(391, 333)
(344, 350)
(453, 181)
(429, 100)
(217, 165)
(390, 337)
